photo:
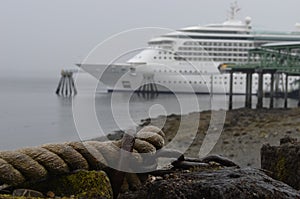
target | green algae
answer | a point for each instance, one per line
(85, 182)
(82, 184)
(280, 169)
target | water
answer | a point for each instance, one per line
(31, 114)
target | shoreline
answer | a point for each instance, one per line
(243, 134)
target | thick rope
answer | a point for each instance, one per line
(38, 163)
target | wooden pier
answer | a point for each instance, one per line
(273, 59)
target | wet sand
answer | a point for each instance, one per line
(244, 131)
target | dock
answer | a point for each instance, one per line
(273, 59)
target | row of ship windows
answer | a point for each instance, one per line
(227, 49)
(213, 54)
(165, 52)
(206, 49)
(162, 57)
(181, 71)
(214, 49)
(193, 43)
(230, 59)
(241, 59)
(199, 72)
(215, 77)
(210, 59)
(204, 82)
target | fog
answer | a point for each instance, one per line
(42, 37)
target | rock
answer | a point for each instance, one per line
(88, 184)
(283, 161)
(236, 134)
(225, 183)
(50, 194)
(83, 184)
(287, 139)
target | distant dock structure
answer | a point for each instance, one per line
(273, 59)
(66, 86)
(148, 90)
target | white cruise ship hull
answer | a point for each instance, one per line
(172, 79)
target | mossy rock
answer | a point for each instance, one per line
(82, 184)
(85, 183)
(280, 168)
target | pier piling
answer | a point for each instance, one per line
(272, 91)
(299, 96)
(286, 90)
(148, 89)
(250, 89)
(246, 91)
(66, 86)
(260, 89)
(230, 90)
(248, 94)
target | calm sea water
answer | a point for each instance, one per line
(31, 114)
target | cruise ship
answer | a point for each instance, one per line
(188, 60)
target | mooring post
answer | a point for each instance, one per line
(286, 90)
(230, 90)
(272, 91)
(260, 89)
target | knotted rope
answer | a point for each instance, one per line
(37, 163)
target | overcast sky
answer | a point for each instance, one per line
(46, 36)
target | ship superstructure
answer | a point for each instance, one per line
(187, 60)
